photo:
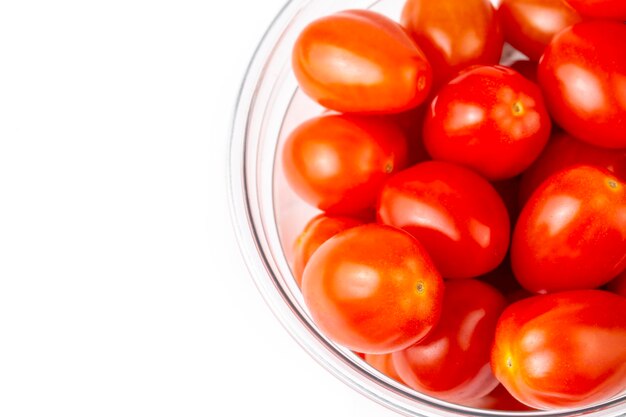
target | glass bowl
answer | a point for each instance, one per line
(267, 215)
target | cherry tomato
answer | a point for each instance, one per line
(564, 151)
(572, 232)
(359, 61)
(373, 289)
(452, 362)
(498, 399)
(317, 231)
(489, 119)
(338, 163)
(618, 285)
(384, 364)
(529, 25)
(453, 212)
(583, 77)
(526, 68)
(603, 9)
(562, 350)
(454, 34)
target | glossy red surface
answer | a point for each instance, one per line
(562, 350)
(453, 362)
(572, 232)
(457, 215)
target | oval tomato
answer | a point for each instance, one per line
(384, 364)
(457, 216)
(317, 231)
(602, 9)
(452, 362)
(572, 232)
(583, 77)
(562, 350)
(359, 61)
(454, 34)
(489, 119)
(529, 25)
(564, 151)
(338, 163)
(373, 289)
(618, 285)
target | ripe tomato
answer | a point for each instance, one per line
(529, 25)
(384, 364)
(453, 212)
(618, 285)
(489, 119)
(373, 289)
(454, 34)
(360, 61)
(583, 77)
(572, 232)
(564, 151)
(452, 362)
(338, 163)
(317, 231)
(498, 399)
(602, 9)
(562, 350)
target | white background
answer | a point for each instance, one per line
(122, 292)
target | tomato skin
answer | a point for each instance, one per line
(491, 120)
(453, 212)
(565, 151)
(442, 29)
(572, 232)
(582, 74)
(602, 9)
(529, 25)
(359, 61)
(373, 289)
(338, 163)
(317, 231)
(384, 364)
(618, 285)
(453, 362)
(562, 350)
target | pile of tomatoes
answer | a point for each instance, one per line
(472, 240)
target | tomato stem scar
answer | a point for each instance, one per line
(420, 287)
(518, 108)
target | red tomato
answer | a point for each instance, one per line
(452, 362)
(384, 364)
(489, 119)
(618, 285)
(527, 68)
(453, 212)
(317, 231)
(572, 232)
(498, 399)
(359, 61)
(564, 151)
(607, 9)
(373, 289)
(454, 34)
(529, 25)
(338, 163)
(562, 350)
(583, 78)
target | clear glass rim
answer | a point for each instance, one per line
(381, 389)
